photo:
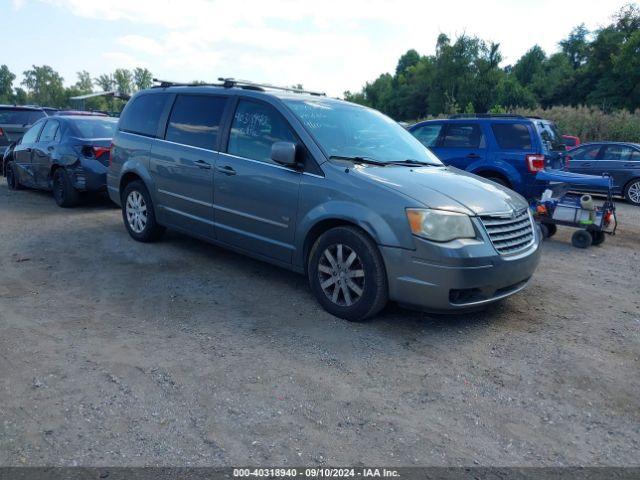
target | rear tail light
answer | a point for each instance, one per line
(1, 132)
(95, 152)
(99, 151)
(535, 163)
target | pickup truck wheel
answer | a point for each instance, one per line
(12, 177)
(63, 192)
(347, 274)
(632, 192)
(138, 214)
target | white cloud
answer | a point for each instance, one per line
(335, 45)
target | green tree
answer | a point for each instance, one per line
(142, 78)
(84, 83)
(123, 79)
(45, 86)
(576, 46)
(409, 59)
(105, 82)
(6, 84)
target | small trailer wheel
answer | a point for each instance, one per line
(581, 239)
(597, 237)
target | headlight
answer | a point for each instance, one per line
(439, 225)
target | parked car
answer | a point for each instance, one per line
(323, 187)
(89, 113)
(570, 141)
(67, 155)
(15, 120)
(506, 149)
(618, 159)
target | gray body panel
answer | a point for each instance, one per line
(268, 211)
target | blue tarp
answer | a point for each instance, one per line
(573, 179)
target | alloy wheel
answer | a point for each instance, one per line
(136, 210)
(634, 192)
(341, 275)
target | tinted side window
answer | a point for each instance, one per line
(460, 135)
(512, 136)
(195, 120)
(590, 152)
(428, 134)
(49, 131)
(143, 115)
(31, 135)
(255, 128)
(617, 152)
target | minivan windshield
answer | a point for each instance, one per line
(345, 130)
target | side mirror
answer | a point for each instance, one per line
(284, 153)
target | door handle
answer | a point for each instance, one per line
(473, 155)
(202, 164)
(227, 170)
(28, 150)
(50, 148)
(588, 164)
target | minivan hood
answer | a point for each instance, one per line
(445, 188)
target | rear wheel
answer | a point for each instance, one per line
(347, 274)
(632, 192)
(63, 192)
(581, 239)
(138, 214)
(12, 177)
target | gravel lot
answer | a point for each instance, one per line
(180, 353)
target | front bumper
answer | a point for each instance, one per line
(460, 275)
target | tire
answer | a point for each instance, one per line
(63, 192)
(632, 192)
(551, 229)
(347, 275)
(597, 237)
(581, 239)
(12, 177)
(138, 213)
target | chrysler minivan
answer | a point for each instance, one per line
(332, 190)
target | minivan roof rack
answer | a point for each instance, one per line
(486, 115)
(170, 83)
(234, 82)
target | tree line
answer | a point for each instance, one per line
(42, 85)
(598, 69)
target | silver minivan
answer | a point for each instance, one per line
(332, 190)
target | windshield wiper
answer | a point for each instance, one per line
(357, 159)
(410, 162)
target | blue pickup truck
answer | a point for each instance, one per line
(507, 149)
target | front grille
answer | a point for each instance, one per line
(509, 234)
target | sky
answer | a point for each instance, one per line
(327, 45)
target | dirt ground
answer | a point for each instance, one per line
(118, 353)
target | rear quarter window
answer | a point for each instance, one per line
(142, 116)
(512, 136)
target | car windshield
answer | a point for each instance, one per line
(550, 136)
(15, 116)
(96, 127)
(347, 130)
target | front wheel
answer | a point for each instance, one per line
(138, 214)
(12, 177)
(632, 192)
(347, 275)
